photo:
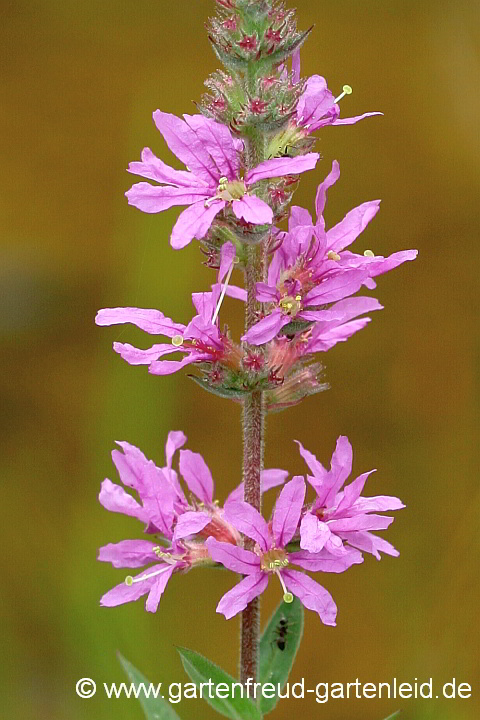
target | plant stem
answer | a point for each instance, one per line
(253, 445)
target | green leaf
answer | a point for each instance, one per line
(395, 714)
(201, 670)
(230, 393)
(154, 708)
(278, 647)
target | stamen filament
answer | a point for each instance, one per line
(129, 580)
(347, 90)
(224, 290)
(287, 596)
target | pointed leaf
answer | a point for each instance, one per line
(278, 647)
(394, 715)
(201, 670)
(154, 708)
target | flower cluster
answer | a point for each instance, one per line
(192, 530)
(304, 292)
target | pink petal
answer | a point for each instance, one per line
(238, 597)
(266, 293)
(152, 321)
(197, 475)
(123, 593)
(360, 523)
(353, 120)
(287, 510)
(341, 467)
(352, 492)
(370, 543)
(156, 198)
(227, 256)
(194, 222)
(136, 356)
(268, 479)
(114, 498)
(233, 557)
(321, 197)
(378, 503)
(296, 66)
(248, 521)
(313, 596)
(313, 533)
(354, 222)
(266, 329)
(167, 367)
(329, 338)
(336, 287)
(299, 217)
(187, 146)
(128, 553)
(190, 523)
(325, 562)
(155, 169)
(158, 588)
(253, 210)
(315, 466)
(175, 440)
(218, 141)
(278, 167)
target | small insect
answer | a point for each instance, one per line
(281, 632)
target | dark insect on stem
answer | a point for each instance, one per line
(281, 632)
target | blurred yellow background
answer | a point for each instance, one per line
(79, 81)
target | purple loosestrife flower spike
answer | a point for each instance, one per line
(339, 516)
(212, 179)
(271, 557)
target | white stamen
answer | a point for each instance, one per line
(287, 596)
(129, 580)
(224, 290)
(347, 90)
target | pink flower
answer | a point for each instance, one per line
(339, 516)
(311, 268)
(271, 556)
(199, 341)
(212, 179)
(166, 512)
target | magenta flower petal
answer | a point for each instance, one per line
(313, 533)
(355, 119)
(341, 467)
(347, 230)
(122, 593)
(336, 287)
(152, 321)
(313, 596)
(249, 521)
(167, 367)
(299, 217)
(190, 523)
(175, 440)
(326, 562)
(158, 588)
(277, 167)
(197, 475)
(153, 168)
(321, 196)
(155, 198)
(296, 66)
(266, 293)
(360, 523)
(114, 498)
(370, 543)
(227, 256)
(233, 557)
(253, 210)
(315, 465)
(136, 356)
(187, 146)
(238, 597)
(219, 143)
(194, 222)
(378, 503)
(266, 329)
(329, 338)
(128, 553)
(287, 510)
(352, 492)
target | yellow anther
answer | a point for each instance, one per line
(288, 598)
(332, 255)
(298, 298)
(177, 340)
(369, 253)
(347, 90)
(129, 580)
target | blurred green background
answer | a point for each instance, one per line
(79, 81)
